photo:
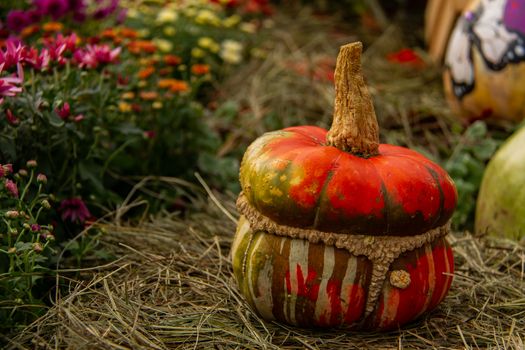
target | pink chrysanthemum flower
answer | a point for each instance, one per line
(38, 61)
(94, 55)
(74, 210)
(13, 53)
(8, 85)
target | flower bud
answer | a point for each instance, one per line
(45, 204)
(11, 250)
(7, 168)
(31, 164)
(11, 188)
(35, 227)
(37, 247)
(12, 214)
(41, 179)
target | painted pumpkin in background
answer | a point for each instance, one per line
(485, 61)
(500, 209)
(338, 230)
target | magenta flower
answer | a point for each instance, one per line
(53, 8)
(36, 60)
(94, 55)
(8, 85)
(13, 54)
(64, 111)
(35, 227)
(70, 41)
(17, 20)
(103, 12)
(74, 210)
(11, 188)
(11, 118)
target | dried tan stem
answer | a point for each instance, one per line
(354, 128)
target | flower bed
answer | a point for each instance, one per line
(99, 94)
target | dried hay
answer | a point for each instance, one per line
(172, 287)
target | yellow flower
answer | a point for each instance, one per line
(205, 42)
(132, 13)
(163, 45)
(248, 27)
(144, 32)
(157, 105)
(190, 12)
(197, 52)
(207, 17)
(128, 95)
(170, 31)
(231, 21)
(142, 83)
(124, 107)
(166, 15)
(231, 51)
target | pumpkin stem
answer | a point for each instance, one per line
(354, 128)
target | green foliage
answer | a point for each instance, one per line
(466, 166)
(26, 244)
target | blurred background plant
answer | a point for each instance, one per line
(102, 94)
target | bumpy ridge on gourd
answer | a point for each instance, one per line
(380, 250)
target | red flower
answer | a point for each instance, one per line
(406, 56)
(74, 210)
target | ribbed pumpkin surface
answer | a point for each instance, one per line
(315, 285)
(293, 178)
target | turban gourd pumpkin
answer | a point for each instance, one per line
(337, 229)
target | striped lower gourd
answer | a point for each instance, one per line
(337, 229)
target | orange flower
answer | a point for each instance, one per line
(129, 33)
(146, 72)
(148, 95)
(200, 69)
(166, 83)
(140, 46)
(180, 86)
(28, 31)
(109, 33)
(173, 85)
(172, 60)
(52, 27)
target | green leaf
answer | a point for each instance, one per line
(129, 129)
(89, 171)
(477, 130)
(55, 120)
(8, 147)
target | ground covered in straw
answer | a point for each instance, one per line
(172, 287)
(171, 284)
